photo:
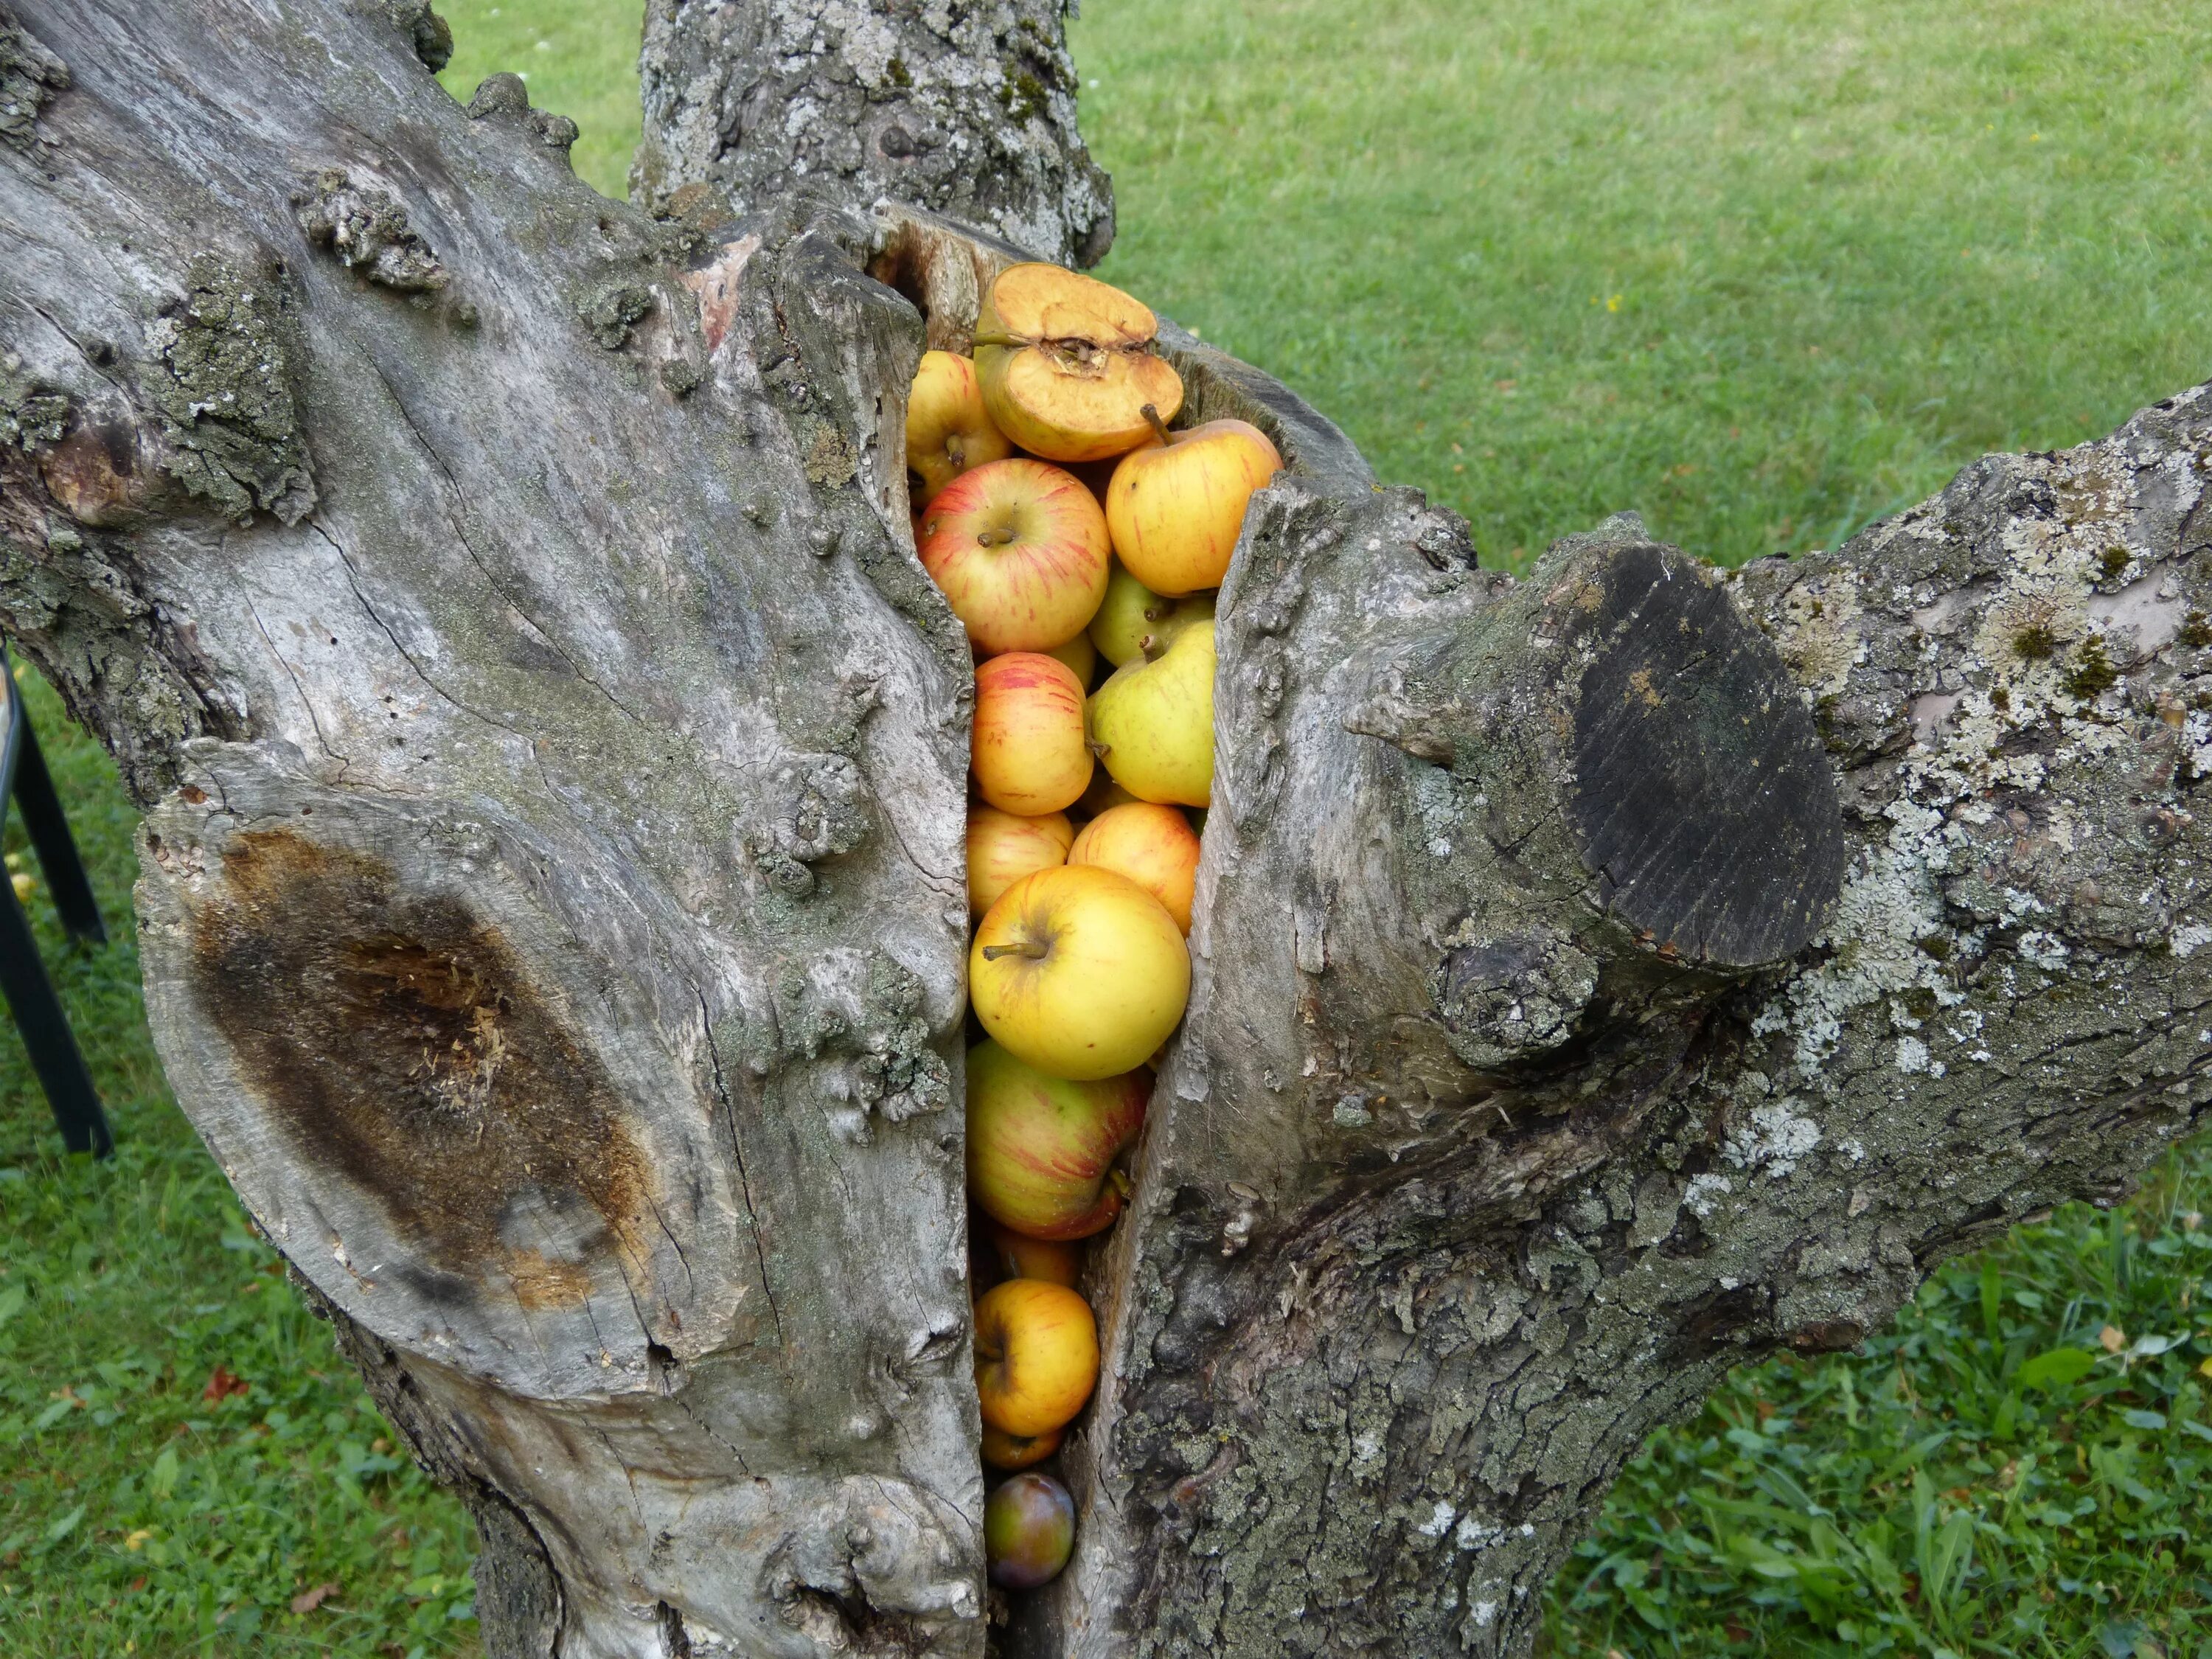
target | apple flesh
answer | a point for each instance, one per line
(947, 429)
(1037, 1356)
(1152, 722)
(1067, 364)
(1020, 551)
(1002, 848)
(1153, 845)
(1176, 504)
(1029, 753)
(1079, 972)
(1029, 1531)
(1043, 1150)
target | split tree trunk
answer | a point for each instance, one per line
(553, 915)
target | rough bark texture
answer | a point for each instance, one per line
(1493, 1137)
(553, 916)
(964, 107)
(552, 910)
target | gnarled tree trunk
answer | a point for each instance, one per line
(504, 604)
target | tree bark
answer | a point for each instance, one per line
(967, 109)
(504, 604)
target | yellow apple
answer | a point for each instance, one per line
(1132, 615)
(1002, 1450)
(1019, 548)
(1152, 722)
(1154, 846)
(947, 429)
(1177, 503)
(1029, 756)
(1037, 1356)
(1079, 971)
(1055, 1260)
(1067, 364)
(1043, 1153)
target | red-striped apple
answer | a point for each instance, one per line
(1028, 753)
(1042, 1151)
(1020, 550)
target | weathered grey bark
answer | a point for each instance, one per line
(964, 107)
(1494, 1136)
(552, 910)
(553, 914)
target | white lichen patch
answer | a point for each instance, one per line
(1704, 1194)
(2189, 939)
(1774, 1140)
(1820, 638)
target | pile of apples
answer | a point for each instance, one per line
(1067, 523)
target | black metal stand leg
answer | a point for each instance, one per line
(39, 1016)
(56, 848)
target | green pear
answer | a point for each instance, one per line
(1131, 613)
(1152, 723)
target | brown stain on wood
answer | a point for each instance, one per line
(399, 1043)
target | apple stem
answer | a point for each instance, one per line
(995, 537)
(1159, 426)
(1029, 948)
(1101, 750)
(1153, 646)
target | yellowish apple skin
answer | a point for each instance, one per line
(947, 429)
(1043, 1152)
(1056, 1262)
(1153, 722)
(1002, 1450)
(1079, 972)
(1028, 753)
(1153, 845)
(1003, 849)
(1175, 509)
(1080, 656)
(1067, 364)
(1020, 550)
(1037, 1356)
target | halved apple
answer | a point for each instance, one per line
(1067, 364)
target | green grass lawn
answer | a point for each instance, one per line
(1762, 270)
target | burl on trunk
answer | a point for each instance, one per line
(504, 603)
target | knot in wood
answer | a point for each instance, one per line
(1509, 999)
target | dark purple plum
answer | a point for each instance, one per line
(1028, 1529)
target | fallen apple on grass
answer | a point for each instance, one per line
(1043, 1151)
(1079, 972)
(1177, 503)
(1067, 364)
(1153, 845)
(1002, 848)
(1020, 551)
(1029, 753)
(1152, 722)
(947, 429)
(1037, 1356)
(1029, 1531)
